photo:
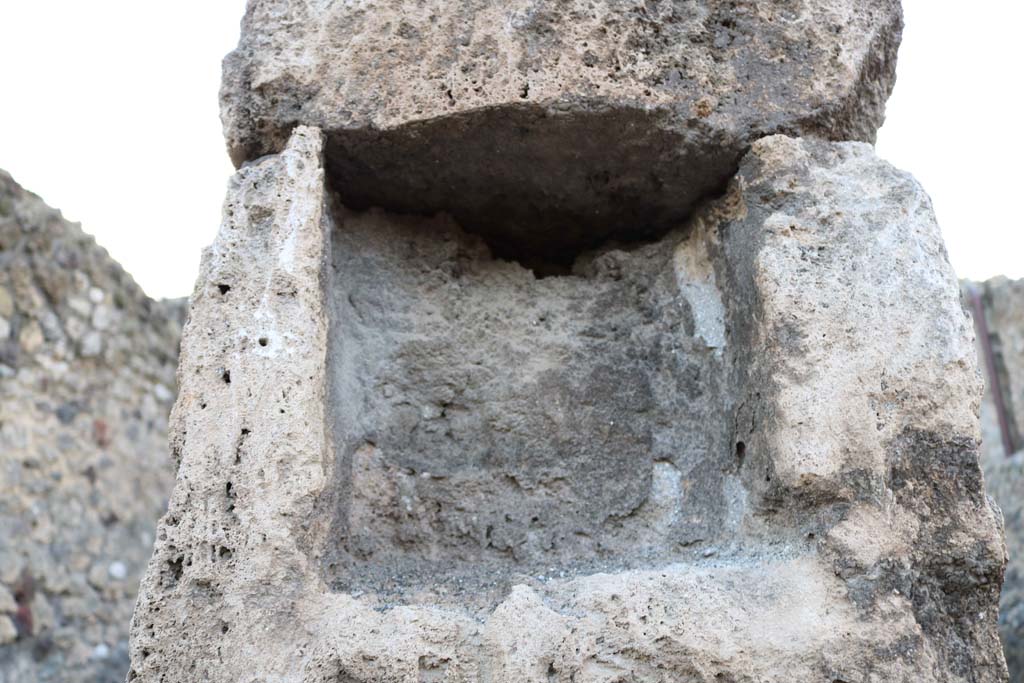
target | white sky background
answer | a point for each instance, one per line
(109, 112)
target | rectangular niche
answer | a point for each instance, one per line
(489, 421)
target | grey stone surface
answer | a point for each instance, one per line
(550, 126)
(87, 366)
(1005, 479)
(463, 385)
(746, 451)
(1004, 308)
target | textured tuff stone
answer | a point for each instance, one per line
(1003, 302)
(745, 451)
(86, 380)
(551, 126)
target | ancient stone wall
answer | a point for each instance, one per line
(87, 376)
(576, 342)
(1003, 302)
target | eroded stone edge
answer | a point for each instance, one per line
(250, 590)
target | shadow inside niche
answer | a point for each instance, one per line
(540, 187)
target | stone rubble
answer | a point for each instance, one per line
(87, 376)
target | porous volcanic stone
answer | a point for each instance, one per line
(87, 366)
(551, 126)
(747, 451)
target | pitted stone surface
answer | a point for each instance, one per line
(551, 126)
(812, 510)
(87, 365)
(487, 417)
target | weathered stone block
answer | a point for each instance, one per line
(551, 126)
(744, 451)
